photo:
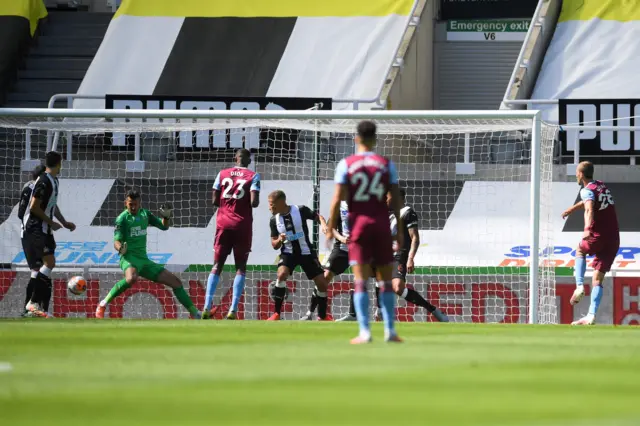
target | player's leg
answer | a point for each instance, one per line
(313, 270)
(410, 295)
(351, 315)
(157, 273)
(222, 246)
(130, 278)
(241, 255)
(44, 248)
(583, 249)
(384, 275)
(313, 302)
(361, 273)
(601, 264)
(383, 257)
(286, 266)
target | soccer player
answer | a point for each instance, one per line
(601, 237)
(363, 180)
(235, 192)
(290, 235)
(404, 262)
(130, 241)
(23, 205)
(338, 260)
(37, 234)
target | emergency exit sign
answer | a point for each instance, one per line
(487, 30)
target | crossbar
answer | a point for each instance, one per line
(265, 115)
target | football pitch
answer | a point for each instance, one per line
(87, 372)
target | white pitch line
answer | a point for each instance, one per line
(5, 367)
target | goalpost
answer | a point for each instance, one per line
(480, 182)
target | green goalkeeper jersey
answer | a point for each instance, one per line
(132, 230)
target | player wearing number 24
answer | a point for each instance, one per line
(363, 180)
(601, 237)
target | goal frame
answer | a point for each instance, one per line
(533, 115)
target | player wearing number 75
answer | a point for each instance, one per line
(235, 192)
(363, 180)
(601, 237)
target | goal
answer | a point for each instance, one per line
(480, 182)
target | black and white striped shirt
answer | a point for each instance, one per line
(46, 191)
(410, 220)
(294, 226)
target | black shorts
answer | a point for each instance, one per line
(36, 245)
(309, 264)
(338, 261)
(399, 269)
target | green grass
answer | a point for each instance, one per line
(84, 372)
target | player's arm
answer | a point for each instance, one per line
(277, 239)
(307, 214)
(215, 194)
(58, 215)
(119, 242)
(255, 191)
(577, 206)
(412, 228)
(341, 192)
(338, 236)
(35, 209)
(589, 201)
(396, 203)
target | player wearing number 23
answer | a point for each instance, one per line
(235, 192)
(601, 237)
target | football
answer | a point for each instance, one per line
(77, 285)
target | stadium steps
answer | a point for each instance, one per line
(56, 63)
(59, 58)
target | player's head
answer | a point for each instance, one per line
(277, 202)
(37, 171)
(584, 172)
(132, 201)
(366, 134)
(243, 157)
(403, 193)
(53, 162)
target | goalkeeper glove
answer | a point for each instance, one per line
(123, 249)
(166, 210)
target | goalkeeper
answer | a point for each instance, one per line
(130, 241)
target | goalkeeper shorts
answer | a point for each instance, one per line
(145, 267)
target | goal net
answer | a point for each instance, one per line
(469, 179)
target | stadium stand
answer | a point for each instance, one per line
(19, 23)
(334, 49)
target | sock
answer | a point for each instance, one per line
(30, 287)
(238, 289)
(212, 284)
(45, 271)
(185, 300)
(41, 286)
(313, 302)
(278, 295)
(377, 289)
(352, 308)
(115, 291)
(322, 300)
(596, 296)
(387, 300)
(46, 295)
(412, 296)
(581, 268)
(361, 303)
